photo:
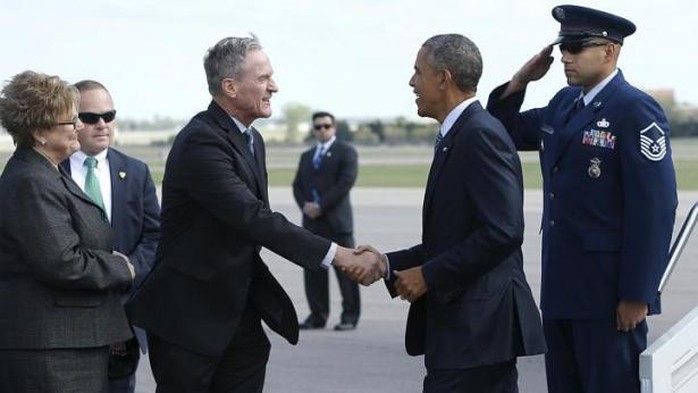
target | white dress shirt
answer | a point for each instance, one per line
(78, 171)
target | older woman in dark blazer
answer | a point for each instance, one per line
(59, 278)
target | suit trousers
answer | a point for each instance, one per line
(317, 289)
(494, 378)
(241, 368)
(54, 370)
(586, 356)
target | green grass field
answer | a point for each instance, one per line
(415, 175)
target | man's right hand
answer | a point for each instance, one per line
(365, 268)
(533, 70)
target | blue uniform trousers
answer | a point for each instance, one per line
(591, 356)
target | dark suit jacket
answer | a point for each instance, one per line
(135, 215)
(332, 182)
(215, 219)
(135, 212)
(59, 282)
(479, 309)
(606, 234)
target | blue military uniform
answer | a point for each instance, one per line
(610, 200)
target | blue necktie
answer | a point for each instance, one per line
(576, 108)
(250, 141)
(438, 140)
(317, 160)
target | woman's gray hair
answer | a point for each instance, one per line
(458, 55)
(226, 59)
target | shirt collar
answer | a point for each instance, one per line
(79, 157)
(241, 126)
(454, 115)
(325, 146)
(589, 97)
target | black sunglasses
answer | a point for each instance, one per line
(319, 127)
(577, 47)
(93, 118)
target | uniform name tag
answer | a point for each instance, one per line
(599, 138)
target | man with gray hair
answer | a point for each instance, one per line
(203, 303)
(472, 311)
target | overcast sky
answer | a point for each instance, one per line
(351, 57)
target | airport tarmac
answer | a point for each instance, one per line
(372, 359)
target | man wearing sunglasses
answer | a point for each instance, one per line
(122, 185)
(326, 173)
(609, 203)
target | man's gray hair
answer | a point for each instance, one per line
(458, 55)
(226, 59)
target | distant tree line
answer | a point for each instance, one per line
(295, 117)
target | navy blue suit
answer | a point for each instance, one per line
(609, 207)
(135, 218)
(478, 309)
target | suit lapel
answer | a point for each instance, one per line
(577, 124)
(441, 155)
(234, 135)
(117, 166)
(74, 189)
(260, 167)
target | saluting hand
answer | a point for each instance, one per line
(533, 70)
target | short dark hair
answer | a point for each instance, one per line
(88, 84)
(459, 55)
(323, 114)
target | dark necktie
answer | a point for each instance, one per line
(438, 140)
(250, 142)
(92, 188)
(576, 108)
(317, 160)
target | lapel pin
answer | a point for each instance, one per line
(597, 104)
(444, 149)
(122, 175)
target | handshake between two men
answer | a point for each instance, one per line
(366, 265)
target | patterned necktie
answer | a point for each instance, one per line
(317, 160)
(92, 188)
(250, 141)
(438, 140)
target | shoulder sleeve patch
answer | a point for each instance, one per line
(653, 142)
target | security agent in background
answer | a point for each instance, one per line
(610, 201)
(326, 173)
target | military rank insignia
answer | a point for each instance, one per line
(653, 142)
(600, 137)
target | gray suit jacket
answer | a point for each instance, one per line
(59, 282)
